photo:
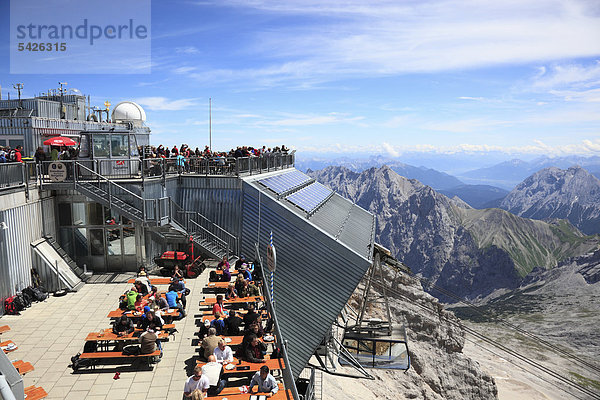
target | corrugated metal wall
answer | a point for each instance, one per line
(315, 273)
(217, 198)
(23, 225)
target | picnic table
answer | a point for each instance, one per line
(4, 328)
(275, 363)
(8, 346)
(251, 299)
(35, 392)
(106, 336)
(156, 281)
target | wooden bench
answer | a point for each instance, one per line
(35, 393)
(99, 355)
(4, 328)
(6, 343)
(23, 367)
(118, 313)
(280, 395)
(250, 299)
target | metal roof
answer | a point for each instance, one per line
(316, 273)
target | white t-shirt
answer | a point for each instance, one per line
(223, 355)
(201, 384)
(212, 371)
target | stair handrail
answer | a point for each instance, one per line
(223, 243)
(100, 177)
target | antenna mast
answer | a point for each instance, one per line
(210, 124)
(19, 87)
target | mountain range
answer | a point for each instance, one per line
(467, 251)
(572, 194)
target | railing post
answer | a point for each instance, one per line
(156, 210)
(109, 194)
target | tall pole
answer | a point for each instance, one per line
(210, 124)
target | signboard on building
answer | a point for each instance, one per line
(271, 257)
(57, 171)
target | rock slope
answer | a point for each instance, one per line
(572, 194)
(439, 370)
(470, 252)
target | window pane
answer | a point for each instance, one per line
(97, 242)
(84, 146)
(95, 214)
(65, 238)
(80, 243)
(113, 241)
(64, 214)
(119, 145)
(100, 145)
(79, 217)
(128, 240)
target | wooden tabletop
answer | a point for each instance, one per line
(156, 281)
(107, 334)
(212, 300)
(4, 328)
(219, 285)
(118, 313)
(276, 363)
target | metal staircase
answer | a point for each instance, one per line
(213, 239)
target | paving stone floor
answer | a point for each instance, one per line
(50, 333)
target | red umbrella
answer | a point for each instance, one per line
(60, 141)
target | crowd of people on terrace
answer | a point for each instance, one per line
(241, 319)
(185, 151)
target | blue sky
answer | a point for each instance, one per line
(519, 77)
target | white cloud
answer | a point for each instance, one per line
(307, 120)
(572, 75)
(471, 98)
(187, 50)
(389, 149)
(164, 104)
(384, 37)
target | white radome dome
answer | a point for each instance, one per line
(128, 111)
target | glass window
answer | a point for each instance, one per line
(95, 214)
(80, 243)
(134, 147)
(65, 239)
(101, 148)
(84, 146)
(13, 143)
(64, 214)
(97, 242)
(113, 241)
(129, 240)
(79, 216)
(119, 145)
(111, 217)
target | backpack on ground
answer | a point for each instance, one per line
(213, 276)
(9, 306)
(80, 363)
(39, 294)
(131, 350)
(19, 302)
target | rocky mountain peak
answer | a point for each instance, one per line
(572, 194)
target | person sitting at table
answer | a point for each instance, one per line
(179, 287)
(148, 342)
(219, 307)
(239, 284)
(233, 324)
(252, 289)
(131, 296)
(226, 276)
(264, 382)
(176, 273)
(255, 328)
(224, 263)
(161, 302)
(214, 372)
(245, 272)
(140, 303)
(141, 287)
(218, 323)
(251, 316)
(241, 261)
(257, 273)
(210, 343)
(150, 320)
(123, 326)
(223, 353)
(253, 350)
(143, 279)
(231, 292)
(174, 302)
(196, 382)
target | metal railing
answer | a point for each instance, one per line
(194, 222)
(12, 175)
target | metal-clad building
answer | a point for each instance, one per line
(21, 223)
(316, 273)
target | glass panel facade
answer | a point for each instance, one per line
(64, 214)
(79, 214)
(84, 146)
(97, 242)
(95, 214)
(101, 145)
(113, 241)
